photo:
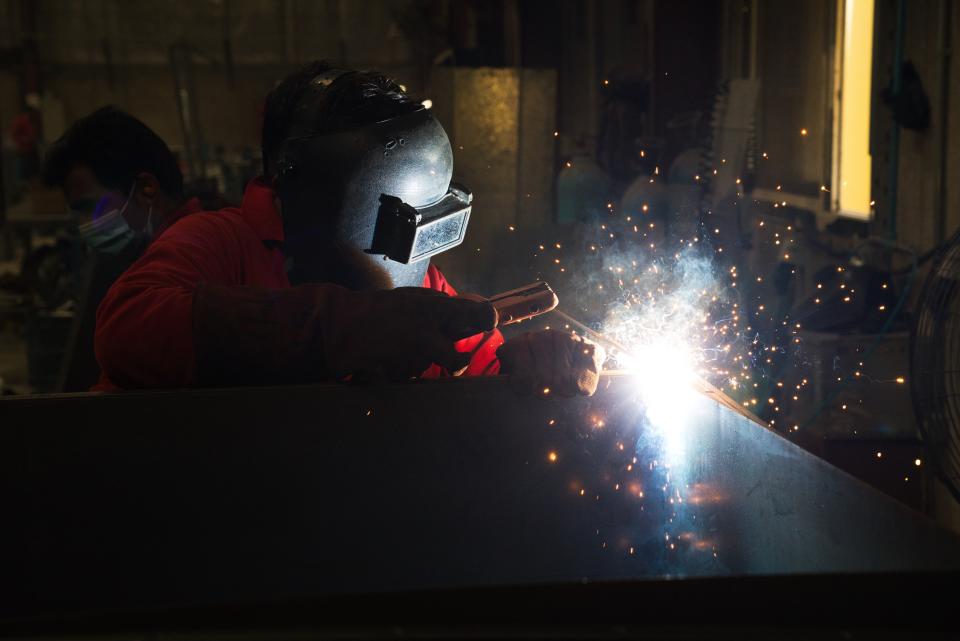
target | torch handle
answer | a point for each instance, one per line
(524, 303)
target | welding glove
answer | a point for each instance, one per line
(245, 335)
(552, 360)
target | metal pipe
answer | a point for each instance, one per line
(946, 11)
(226, 34)
(895, 85)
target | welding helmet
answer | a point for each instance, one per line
(377, 197)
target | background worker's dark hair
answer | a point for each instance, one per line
(356, 98)
(116, 147)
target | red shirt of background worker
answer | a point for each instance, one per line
(323, 273)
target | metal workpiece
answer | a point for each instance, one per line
(245, 495)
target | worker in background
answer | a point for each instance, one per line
(323, 272)
(124, 187)
(26, 133)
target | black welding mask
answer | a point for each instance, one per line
(368, 206)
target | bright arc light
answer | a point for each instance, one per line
(665, 372)
(661, 324)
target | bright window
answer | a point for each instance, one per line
(851, 184)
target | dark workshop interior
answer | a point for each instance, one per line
(265, 368)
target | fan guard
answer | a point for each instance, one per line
(935, 365)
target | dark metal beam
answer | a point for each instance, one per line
(202, 497)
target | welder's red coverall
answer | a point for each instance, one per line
(145, 332)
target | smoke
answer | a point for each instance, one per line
(669, 305)
(660, 290)
(664, 317)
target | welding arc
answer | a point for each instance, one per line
(703, 386)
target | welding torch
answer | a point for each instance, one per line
(538, 298)
(698, 383)
(524, 303)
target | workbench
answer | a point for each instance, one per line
(211, 498)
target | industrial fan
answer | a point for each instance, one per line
(935, 364)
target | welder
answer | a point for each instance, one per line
(123, 187)
(323, 273)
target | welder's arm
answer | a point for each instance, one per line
(245, 334)
(179, 318)
(144, 330)
(552, 360)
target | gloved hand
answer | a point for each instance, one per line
(319, 331)
(550, 359)
(399, 333)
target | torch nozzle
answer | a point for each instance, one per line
(699, 383)
(593, 335)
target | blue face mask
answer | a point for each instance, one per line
(110, 233)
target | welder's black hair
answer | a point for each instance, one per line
(355, 99)
(116, 147)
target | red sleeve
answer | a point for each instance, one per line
(144, 333)
(484, 346)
